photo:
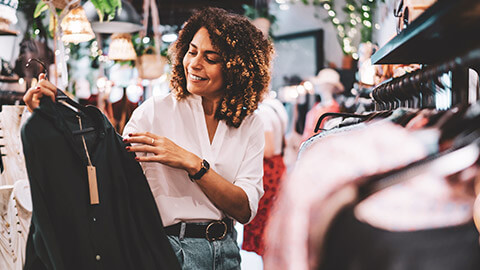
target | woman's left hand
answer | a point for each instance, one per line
(164, 151)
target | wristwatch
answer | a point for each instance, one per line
(203, 170)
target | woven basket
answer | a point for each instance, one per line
(150, 66)
(61, 4)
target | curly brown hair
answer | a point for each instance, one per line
(245, 52)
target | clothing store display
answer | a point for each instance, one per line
(15, 201)
(235, 153)
(12, 159)
(15, 222)
(6, 254)
(123, 231)
(329, 164)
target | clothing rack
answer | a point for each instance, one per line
(418, 89)
(443, 41)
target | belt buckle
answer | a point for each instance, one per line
(216, 222)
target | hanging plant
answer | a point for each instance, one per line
(107, 7)
(104, 8)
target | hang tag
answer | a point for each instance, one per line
(92, 185)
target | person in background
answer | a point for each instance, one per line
(327, 84)
(201, 147)
(275, 120)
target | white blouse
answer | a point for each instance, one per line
(235, 153)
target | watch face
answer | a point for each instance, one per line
(205, 164)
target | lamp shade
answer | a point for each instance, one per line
(8, 16)
(127, 21)
(121, 47)
(75, 26)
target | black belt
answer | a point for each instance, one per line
(215, 230)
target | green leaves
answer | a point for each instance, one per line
(41, 7)
(107, 7)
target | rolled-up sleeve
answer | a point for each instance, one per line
(250, 173)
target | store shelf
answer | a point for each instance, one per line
(8, 32)
(8, 79)
(447, 29)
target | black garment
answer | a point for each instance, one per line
(353, 245)
(124, 231)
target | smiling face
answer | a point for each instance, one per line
(203, 67)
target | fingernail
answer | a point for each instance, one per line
(130, 134)
(38, 87)
(128, 148)
(125, 140)
(136, 158)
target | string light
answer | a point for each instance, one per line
(358, 16)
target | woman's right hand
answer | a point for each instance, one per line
(34, 94)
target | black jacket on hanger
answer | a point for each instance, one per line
(123, 231)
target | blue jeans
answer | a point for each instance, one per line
(201, 254)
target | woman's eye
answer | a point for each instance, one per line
(192, 53)
(211, 61)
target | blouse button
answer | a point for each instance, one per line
(98, 257)
(94, 219)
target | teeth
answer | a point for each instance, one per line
(193, 77)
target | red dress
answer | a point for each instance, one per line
(253, 240)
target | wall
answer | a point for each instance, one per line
(301, 18)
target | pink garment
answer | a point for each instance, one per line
(328, 164)
(423, 202)
(312, 117)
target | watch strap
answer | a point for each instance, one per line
(201, 172)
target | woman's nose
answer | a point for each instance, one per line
(195, 62)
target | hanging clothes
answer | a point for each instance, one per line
(274, 122)
(12, 159)
(327, 165)
(123, 231)
(328, 176)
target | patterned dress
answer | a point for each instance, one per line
(253, 239)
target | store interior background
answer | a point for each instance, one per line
(294, 19)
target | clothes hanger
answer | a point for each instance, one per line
(63, 99)
(464, 147)
(336, 114)
(61, 96)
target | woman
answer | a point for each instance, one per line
(201, 147)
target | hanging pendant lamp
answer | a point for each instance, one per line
(121, 47)
(76, 27)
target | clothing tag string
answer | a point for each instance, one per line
(91, 171)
